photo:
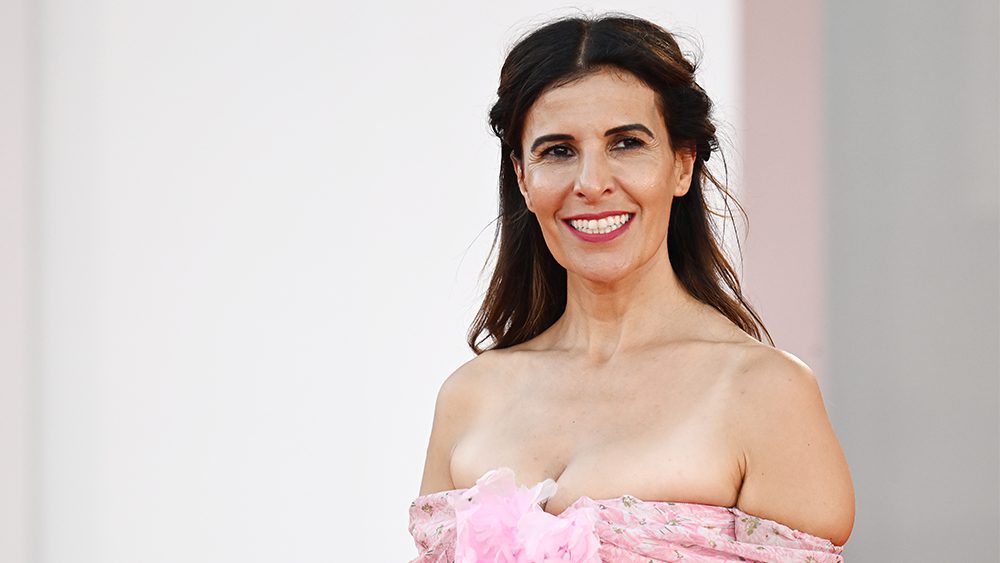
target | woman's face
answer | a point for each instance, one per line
(600, 175)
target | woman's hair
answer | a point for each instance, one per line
(527, 292)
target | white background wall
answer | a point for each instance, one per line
(15, 279)
(259, 233)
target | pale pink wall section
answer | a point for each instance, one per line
(784, 256)
(14, 381)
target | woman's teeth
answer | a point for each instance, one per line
(600, 226)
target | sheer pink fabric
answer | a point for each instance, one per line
(632, 530)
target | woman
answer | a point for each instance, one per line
(624, 363)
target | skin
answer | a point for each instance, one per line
(638, 388)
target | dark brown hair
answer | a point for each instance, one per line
(527, 292)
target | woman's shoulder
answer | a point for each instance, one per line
(462, 388)
(474, 378)
(466, 390)
(763, 377)
(761, 366)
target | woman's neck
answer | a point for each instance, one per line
(602, 319)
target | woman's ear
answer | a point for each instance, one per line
(519, 171)
(684, 169)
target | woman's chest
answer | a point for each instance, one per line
(655, 438)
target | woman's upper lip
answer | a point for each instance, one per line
(595, 216)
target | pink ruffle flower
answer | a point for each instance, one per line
(498, 521)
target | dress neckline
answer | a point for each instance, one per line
(629, 500)
(614, 500)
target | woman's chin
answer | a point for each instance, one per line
(601, 274)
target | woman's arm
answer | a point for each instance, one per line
(455, 404)
(796, 472)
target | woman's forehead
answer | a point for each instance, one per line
(596, 101)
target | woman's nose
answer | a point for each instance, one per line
(593, 177)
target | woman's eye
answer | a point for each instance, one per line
(628, 143)
(558, 151)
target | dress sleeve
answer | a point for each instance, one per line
(782, 542)
(432, 525)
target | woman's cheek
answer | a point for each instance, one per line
(641, 172)
(548, 188)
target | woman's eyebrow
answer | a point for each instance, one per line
(629, 127)
(608, 133)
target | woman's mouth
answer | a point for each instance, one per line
(600, 226)
(600, 230)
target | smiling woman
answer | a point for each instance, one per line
(586, 174)
(617, 357)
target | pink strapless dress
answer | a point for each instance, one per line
(631, 530)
